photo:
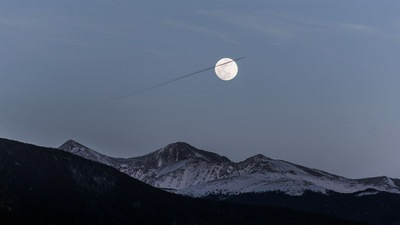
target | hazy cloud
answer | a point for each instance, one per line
(62, 30)
(256, 22)
(284, 25)
(200, 29)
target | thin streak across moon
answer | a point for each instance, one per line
(225, 63)
(226, 69)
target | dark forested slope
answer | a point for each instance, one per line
(47, 186)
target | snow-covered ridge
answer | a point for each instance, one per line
(184, 169)
(85, 152)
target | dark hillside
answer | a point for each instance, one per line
(379, 208)
(47, 186)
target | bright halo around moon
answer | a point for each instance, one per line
(226, 69)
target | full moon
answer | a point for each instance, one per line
(226, 69)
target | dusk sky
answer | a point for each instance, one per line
(320, 84)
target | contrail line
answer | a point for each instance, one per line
(158, 85)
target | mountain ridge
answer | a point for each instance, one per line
(184, 169)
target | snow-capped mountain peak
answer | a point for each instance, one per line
(177, 152)
(258, 158)
(73, 147)
(81, 150)
(183, 151)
